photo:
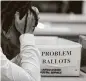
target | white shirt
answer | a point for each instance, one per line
(25, 66)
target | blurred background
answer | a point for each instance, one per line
(62, 18)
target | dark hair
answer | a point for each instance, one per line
(8, 10)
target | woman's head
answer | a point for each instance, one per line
(10, 40)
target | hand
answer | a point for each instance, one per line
(20, 24)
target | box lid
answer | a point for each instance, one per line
(51, 41)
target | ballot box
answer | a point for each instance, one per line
(59, 57)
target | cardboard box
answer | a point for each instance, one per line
(82, 40)
(59, 57)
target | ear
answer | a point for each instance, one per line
(17, 17)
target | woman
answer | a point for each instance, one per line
(24, 66)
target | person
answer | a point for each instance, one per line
(25, 66)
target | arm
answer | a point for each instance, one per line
(29, 56)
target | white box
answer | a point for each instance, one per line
(59, 57)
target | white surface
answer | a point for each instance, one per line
(81, 78)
